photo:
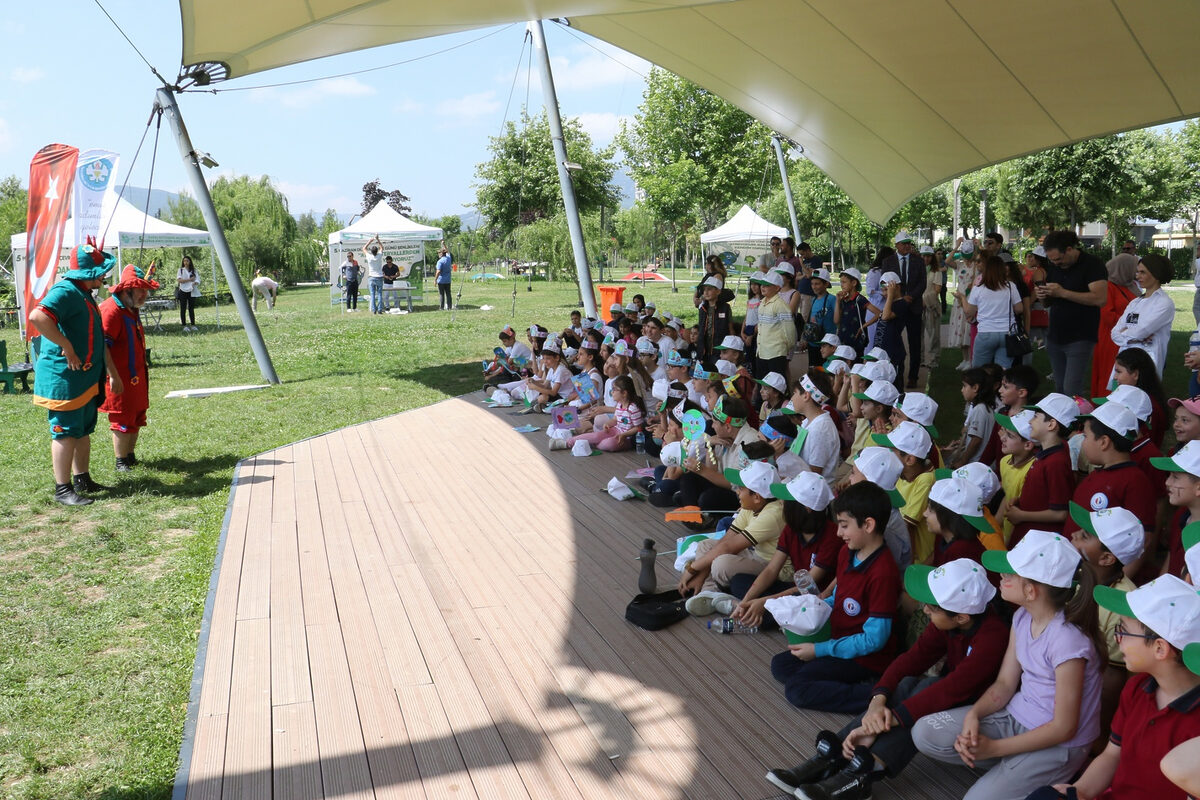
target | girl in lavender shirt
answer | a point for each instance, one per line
(1036, 723)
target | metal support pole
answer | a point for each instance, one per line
(787, 185)
(957, 209)
(564, 175)
(166, 102)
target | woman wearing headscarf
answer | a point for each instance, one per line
(1122, 288)
(1146, 321)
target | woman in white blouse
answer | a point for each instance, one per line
(1146, 321)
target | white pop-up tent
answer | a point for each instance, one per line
(403, 240)
(744, 226)
(129, 227)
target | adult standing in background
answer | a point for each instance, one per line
(801, 278)
(186, 281)
(1122, 287)
(1196, 281)
(931, 323)
(872, 289)
(391, 271)
(351, 275)
(1146, 322)
(373, 253)
(911, 269)
(1076, 289)
(444, 266)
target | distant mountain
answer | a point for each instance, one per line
(136, 196)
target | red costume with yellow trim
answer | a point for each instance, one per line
(126, 339)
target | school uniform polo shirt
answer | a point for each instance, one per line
(870, 588)
(1141, 454)
(1175, 552)
(916, 496)
(1012, 481)
(820, 551)
(1049, 486)
(945, 552)
(1145, 733)
(1121, 485)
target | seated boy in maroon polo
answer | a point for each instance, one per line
(837, 675)
(1160, 708)
(1050, 482)
(1108, 434)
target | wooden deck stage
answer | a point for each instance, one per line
(431, 605)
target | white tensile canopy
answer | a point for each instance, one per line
(888, 97)
(389, 225)
(744, 226)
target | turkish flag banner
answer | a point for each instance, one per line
(51, 176)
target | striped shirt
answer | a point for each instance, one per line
(776, 328)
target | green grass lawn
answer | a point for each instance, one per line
(102, 605)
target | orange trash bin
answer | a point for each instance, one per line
(608, 296)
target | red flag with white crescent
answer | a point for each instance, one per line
(51, 176)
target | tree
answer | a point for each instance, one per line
(14, 208)
(373, 193)
(686, 142)
(1064, 186)
(519, 183)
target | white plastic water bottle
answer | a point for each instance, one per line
(730, 625)
(640, 442)
(805, 583)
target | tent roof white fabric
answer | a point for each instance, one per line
(888, 98)
(389, 225)
(744, 226)
(126, 229)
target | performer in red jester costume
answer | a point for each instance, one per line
(126, 341)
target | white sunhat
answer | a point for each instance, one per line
(672, 454)
(1166, 605)
(1133, 398)
(880, 392)
(1187, 459)
(963, 498)
(920, 408)
(1117, 417)
(976, 473)
(775, 381)
(803, 617)
(1017, 423)
(726, 368)
(1117, 528)
(876, 354)
(908, 437)
(882, 467)
(758, 476)
(1040, 556)
(832, 340)
(888, 278)
(731, 343)
(960, 586)
(845, 352)
(1058, 407)
(808, 489)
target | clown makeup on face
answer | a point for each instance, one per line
(1183, 488)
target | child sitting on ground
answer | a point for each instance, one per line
(977, 392)
(965, 635)
(1135, 367)
(1108, 540)
(882, 467)
(834, 675)
(553, 384)
(1035, 724)
(628, 419)
(1017, 451)
(1160, 624)
(1050, 481)
(912, 444)
(819, 443)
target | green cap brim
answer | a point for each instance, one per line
(916, 583)
(980, 524)
(943, 473)
(822, 635)
(1082, 517)
(1190, 535)
(1166, 464)
(861, 396)
(733, 477)
(1005, 421)
(1191, 657)
(896, 497)
(780, 492)
(932, 431)
(1114, 600)
(760, 280)
(882, 440)
(997, 561)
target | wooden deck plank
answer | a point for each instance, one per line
(296, 758)
(248, 743)
(344, 769)
(290, 682)
(315, 585)
(208, 758)
(254, 595)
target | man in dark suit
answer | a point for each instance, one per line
(911, 268)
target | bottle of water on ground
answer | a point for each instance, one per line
(647, 580)
(730, 625)
(640, 442)
(805, 582)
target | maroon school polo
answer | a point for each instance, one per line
(868, 589)
(944, 552)
(1123, 485)
(1145, 733)
(1048, 486)
(1141, 454)
(819, 551)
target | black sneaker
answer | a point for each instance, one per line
(83, 483)
(646, 483)
(826, 762)
(131, 459)
(123, 465)
(65, 493)
(852, 783)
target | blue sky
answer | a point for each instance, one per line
(420, 127)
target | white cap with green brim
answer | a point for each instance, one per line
(772, 278)
(1133, 398)
(960, 586)
(876, 354)
(1117, 528)
(1117, 417)
(757, 477)
(845, 352)
(963, 498)
(1058, 407)
(784, 268)
(832, 340)
(882, 467)
(1040, 556)
(731, 343)
(808, 489)
(775, 381)
(880, 392)
(803, 617)
(1018, 423)
(1187, 459)
(852, 272)
(878, 371)
(1166, 605)
(920, 408)
(672, 454)
(980, 475)
(908, 437)
(726, 368)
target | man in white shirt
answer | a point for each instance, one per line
(373, 253)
